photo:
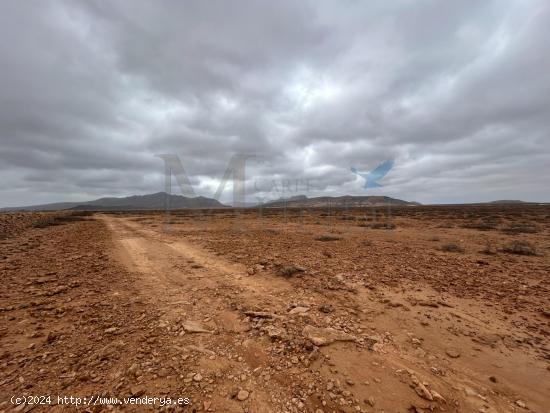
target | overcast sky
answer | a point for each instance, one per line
(456, 92)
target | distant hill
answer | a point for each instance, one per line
(150, 201)
(302, 201)
(508, 201)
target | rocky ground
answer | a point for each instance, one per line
(413, 309)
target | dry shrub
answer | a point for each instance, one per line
(382, 225)
(521, 228)
(288, 270)
(451, 247)
(63, 219)
(520, 248)
(327, 237)
(488, 250)
(480, 225)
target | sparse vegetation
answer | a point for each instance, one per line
(270, 283)
(480, 225)
(520, 248)
(382, 225)
(62, 219)
(452, 247)
(327, 237)
(521, 228)
(488, 249)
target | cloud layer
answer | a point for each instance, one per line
(458, 93)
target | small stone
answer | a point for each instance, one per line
(521, 404)
(242, 395)
(274, 332)
(206, 405)
(438, 397)
(325, 308)
(195, 327)
(423, 392)
(370, 401)
(325, 336)
(453, 353)
(51, 337)
(137, 391)
(493, 379)
(298, 310)
(197, 377)
(110, 330)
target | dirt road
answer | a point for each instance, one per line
(253, 321)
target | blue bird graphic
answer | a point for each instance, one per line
(372, 177)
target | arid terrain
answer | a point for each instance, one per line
(413, 309)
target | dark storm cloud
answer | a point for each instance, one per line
(456, 92)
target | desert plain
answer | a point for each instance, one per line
(404, 309)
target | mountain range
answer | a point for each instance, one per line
(302, 201)
(158, 201)
(135, 202)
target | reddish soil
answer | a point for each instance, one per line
(430, 309)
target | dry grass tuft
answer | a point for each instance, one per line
(520, 248)
(327, 237)
(451, 247)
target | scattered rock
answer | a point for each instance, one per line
(453, 353)
(52, 337)
(521, 404)
(325, 308)
(242, 395)
(299, 310)
(274, 332)
(432, 304)
(438, 397)
(288, 270)
(325, 336)
(195, 327)
(421, 389)
(137, 391)
(423, 392)
(260, 314)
